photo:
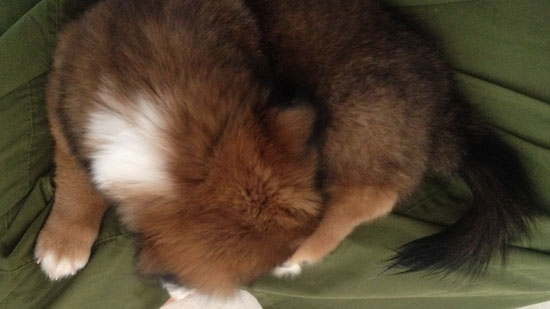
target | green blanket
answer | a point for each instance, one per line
(501, 52)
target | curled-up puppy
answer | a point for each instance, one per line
(393, 119)
(165, 108)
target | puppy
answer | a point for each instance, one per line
(166, 109)
(182, 113)
(394, 118)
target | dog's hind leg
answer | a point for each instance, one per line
(346, 209)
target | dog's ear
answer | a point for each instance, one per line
(293, 126)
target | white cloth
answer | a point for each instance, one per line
(183, 298)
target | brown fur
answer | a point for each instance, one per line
(73, 223)
(243, 168)
(387, 92)
(348, 207)
(393, 118)
(240, 151)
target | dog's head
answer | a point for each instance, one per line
(244, 197)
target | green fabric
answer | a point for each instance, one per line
(501, 52)
(27, 39)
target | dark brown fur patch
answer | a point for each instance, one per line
(394, 118)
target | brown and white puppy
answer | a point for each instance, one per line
(163, 107)
(166, 108)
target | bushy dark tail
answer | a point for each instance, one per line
(503, 205)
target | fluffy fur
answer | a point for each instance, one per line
(394, 118)
(186, 114)
(164, 108)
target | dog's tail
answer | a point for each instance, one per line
(503, 206)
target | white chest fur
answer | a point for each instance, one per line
(127, 148)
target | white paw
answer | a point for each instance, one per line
(194, 299)
(57, 268)
(287, 270)
(176, 291)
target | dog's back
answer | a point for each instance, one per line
(394, 117)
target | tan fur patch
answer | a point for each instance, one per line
(346, 209)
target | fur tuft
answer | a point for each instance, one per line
(503, 206)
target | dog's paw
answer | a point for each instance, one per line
(287, 270)
(176, 291)
(58, 267)
(61, 255)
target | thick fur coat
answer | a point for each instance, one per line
(236, 135)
